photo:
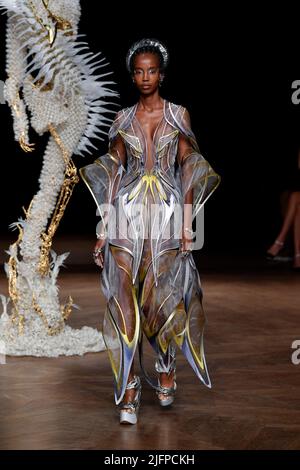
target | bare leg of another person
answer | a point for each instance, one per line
(297, 238)
(293, 203)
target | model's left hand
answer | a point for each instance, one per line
(186, 244)
(99, 258)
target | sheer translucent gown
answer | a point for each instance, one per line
(152, 289)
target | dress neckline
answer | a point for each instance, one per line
(159, 122)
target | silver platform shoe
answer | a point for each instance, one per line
(129, 411)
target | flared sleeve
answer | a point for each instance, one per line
(103, 176)
(195, 172)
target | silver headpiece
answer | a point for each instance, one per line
(152, 43)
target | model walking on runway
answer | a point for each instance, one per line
(152, 176)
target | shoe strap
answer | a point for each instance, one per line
(133, 405)
(167, 390)
(134, 383)
(130, 406)
(277, 242)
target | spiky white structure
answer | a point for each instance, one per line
(55, 72)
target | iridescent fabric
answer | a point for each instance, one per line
(151, 288)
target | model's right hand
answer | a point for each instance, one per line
(99, 260)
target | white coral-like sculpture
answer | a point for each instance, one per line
(55, 71)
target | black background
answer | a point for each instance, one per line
(233, 70)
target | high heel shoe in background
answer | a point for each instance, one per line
(279, 245)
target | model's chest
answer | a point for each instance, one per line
(158, 138)
(149, 123)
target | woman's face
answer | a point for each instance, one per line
(146, 73)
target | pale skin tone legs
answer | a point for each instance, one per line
(292, 219)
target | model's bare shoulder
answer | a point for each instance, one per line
(186, 118)
(123, 115)
(120, 114)
(180, 113)
(121, 119)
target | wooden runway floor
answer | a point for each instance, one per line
(67, 403)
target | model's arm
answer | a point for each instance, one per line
(198, 178)
(184, 149)
(117, 152)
